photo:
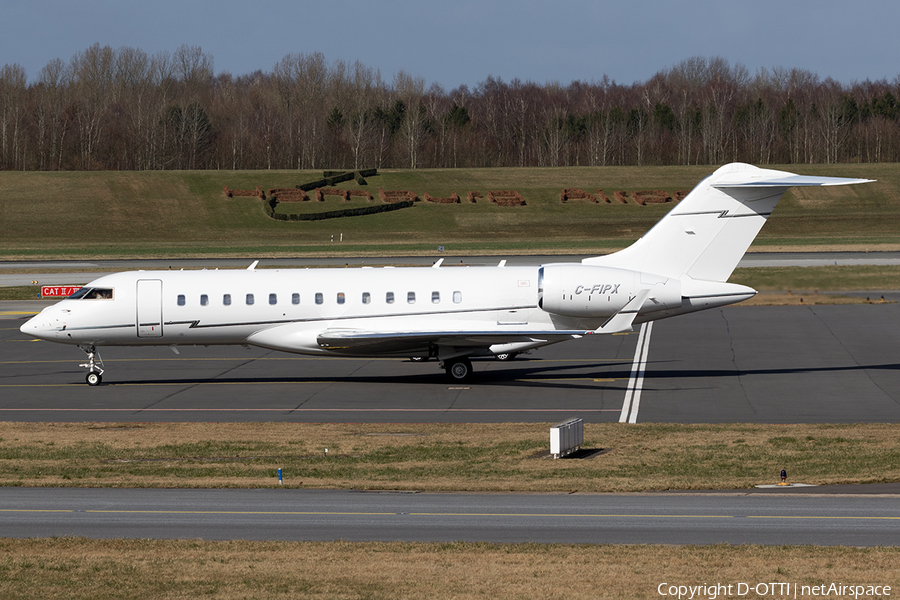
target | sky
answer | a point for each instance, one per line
(456, 42)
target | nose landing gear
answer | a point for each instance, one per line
(94, 365)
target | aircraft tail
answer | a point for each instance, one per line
(705, 235)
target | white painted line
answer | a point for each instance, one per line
(636, 382)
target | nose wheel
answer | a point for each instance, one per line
(94, 365)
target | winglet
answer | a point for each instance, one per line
(622, 320)
(253, 266)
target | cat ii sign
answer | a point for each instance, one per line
(59, 291)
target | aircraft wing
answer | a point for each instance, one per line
(357, 342)
(295, 337)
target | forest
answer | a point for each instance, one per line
(122, 109)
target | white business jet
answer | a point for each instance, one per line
(680, 266)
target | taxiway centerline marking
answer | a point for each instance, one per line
(636, 382)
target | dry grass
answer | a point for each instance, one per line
(441, 457)
(809, 280)
(435, 457)
(100, 569)
(800, 298)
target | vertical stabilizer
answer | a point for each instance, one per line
(705, 235)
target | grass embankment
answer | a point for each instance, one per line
(185, 213)
(433, 457)
(105, 569)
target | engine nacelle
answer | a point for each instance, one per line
(575, 290)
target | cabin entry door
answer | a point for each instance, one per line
(149, 308)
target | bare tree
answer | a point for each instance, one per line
(410, 89)
(123, 109)
(361, 125)
(12, 99)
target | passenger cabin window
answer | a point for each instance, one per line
(435, 297)
(366, 298)
(319, 298)
(457, 297)
(341, 298)
(389, 297)
(181, 300)
(250, 299)
(411, 297)
(226, 299)
(295, 298)
(273, 298)
(204, 300)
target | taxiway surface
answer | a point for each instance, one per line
(325, 515)
(811, 364)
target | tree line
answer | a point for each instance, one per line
(122, 109)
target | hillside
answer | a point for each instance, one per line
(182, 213)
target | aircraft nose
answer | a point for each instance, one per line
(30, 327)
(40, 326)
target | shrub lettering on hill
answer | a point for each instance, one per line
(394, 199)
(392, 196)
(453, 199)
(506, 198)
(257, 193)
(575, 194)
(288, 195)
(603, 197)
(651, 197)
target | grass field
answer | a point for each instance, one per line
(185, 213)
(432, 457)
(442, 457)
(139, 569)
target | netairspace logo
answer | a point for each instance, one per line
(772, 590)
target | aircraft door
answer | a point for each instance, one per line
(149, 308)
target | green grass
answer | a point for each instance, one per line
(185, 213)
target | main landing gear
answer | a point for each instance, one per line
(458, 369)
(94, 365)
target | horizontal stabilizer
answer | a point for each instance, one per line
(786, 180)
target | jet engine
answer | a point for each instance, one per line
(576, 290)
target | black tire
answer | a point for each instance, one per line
(93, 378)
(459, 369)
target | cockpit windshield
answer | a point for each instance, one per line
(87, 293)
